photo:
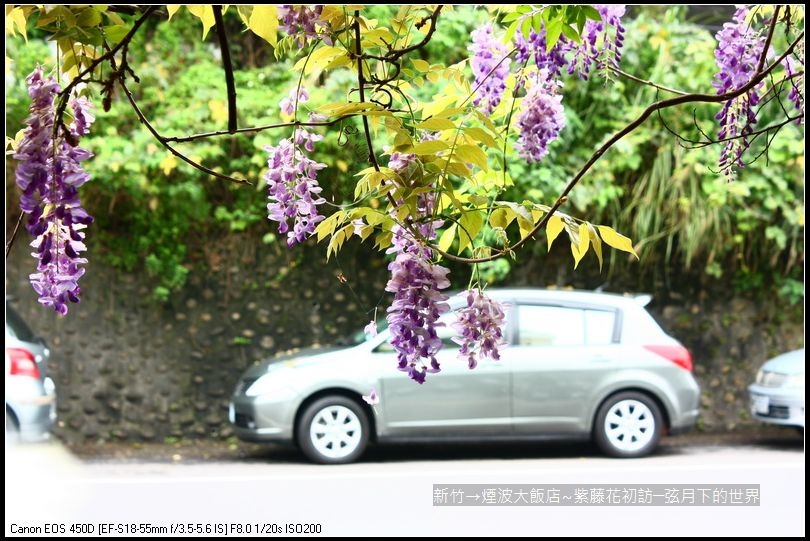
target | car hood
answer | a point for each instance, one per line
(299, 355)
(787, 363)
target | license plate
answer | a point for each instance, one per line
(759, 404)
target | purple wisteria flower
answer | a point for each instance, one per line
(490, 66)
(739, 48)
(535, 48)
(372, 398)
(301, 21)
(418, 302)
(294, 98)
(601, 44)
(49, 175)
(479, 325)
(414, 314)
(541, 119)
(293, 191)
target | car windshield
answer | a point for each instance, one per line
(360, 336)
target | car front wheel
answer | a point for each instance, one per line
(333, 430)
(628, 425)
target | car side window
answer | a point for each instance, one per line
(599, 325)
(550, 326)
(540, 325)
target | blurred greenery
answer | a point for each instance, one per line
(153, 211)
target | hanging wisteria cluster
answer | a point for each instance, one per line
(301, 22)
(293, 191)
(49, 175)
(739, 48)
(541, 118)
(480, 328)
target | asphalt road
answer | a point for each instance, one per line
(392, 493)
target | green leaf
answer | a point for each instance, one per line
(115, 33)
(88, 17)
(446, 240)
(553, 228)
(553, 31)
(469, 226)
(264, 23)
(616, 240)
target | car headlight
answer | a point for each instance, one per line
(760, 376)
(269, 385)
(796, 380)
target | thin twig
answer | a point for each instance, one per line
(254, 129)
(170, 148)
(227, 66)
(10, 242)
(663, 104)
(626, 75)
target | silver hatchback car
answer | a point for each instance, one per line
(30, 393)
(576, 366)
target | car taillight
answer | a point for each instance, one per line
(22, 363)
(675, 353)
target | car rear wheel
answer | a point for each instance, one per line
(628, 425)
(333, 430)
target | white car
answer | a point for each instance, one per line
(777, 395)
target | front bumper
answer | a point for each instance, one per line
(258, 420)
(775, 405)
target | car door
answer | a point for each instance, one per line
(560, 355)
(455, 402)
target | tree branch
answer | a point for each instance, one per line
(227, 66)
(361, 82)
(395, 54)
(663, 104)
(771, 29)
(108, 56)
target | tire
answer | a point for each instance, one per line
(12, 429)
(333, 430)
(628, 425)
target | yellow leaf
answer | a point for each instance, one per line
(429, 147)
(219, 112)
(435, 124)
(447, 237)
(16, 17)
(616, 240)
(206, 16)
(172, 9)
(481, 136)
(469, 226)
(596, 242)
(168, 164)
(471, 154)
(579, 242)
(264, 23)
(421, 65)
(553, 228)
(319, 58)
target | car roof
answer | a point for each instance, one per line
(567, 296)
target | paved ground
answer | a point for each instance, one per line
(391, 492)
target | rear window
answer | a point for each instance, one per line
(16, 327)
